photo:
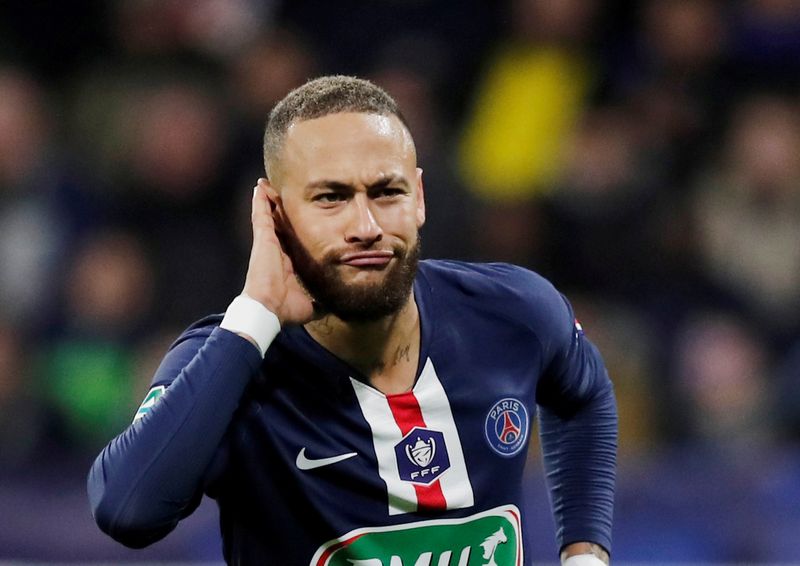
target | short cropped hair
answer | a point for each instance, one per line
(321, 97)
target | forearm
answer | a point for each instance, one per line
(151, 475)
(580, 462)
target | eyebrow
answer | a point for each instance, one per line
(340, 186)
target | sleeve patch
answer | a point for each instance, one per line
(150, 399)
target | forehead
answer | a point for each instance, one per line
(346, 144)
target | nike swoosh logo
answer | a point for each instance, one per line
(305, 463)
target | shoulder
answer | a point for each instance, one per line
(500, 282)
(184, 349)
(198, 330)
(500, 289)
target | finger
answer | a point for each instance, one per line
(287, 261)
(261, 213)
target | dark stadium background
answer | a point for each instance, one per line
(645, 156)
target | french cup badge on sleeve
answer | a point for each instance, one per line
(150, 399)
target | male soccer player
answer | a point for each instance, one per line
(354, 406)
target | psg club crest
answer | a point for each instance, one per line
(422, 456)
(507, 426)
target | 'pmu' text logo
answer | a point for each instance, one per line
(490, 538)
(422, 456)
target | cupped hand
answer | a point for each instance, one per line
(271, 278)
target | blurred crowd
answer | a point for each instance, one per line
(643, 155)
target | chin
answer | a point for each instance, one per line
(358, 274)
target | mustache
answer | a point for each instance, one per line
(287, 236)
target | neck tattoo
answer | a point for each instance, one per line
(402, 354)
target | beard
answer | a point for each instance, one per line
(354, 302)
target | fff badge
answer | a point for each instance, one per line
(422, 456)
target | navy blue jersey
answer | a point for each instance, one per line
(309, 464)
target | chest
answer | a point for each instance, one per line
(338, 456)
(450, 443)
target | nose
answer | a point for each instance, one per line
(363, 227)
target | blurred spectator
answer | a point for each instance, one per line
(215, 27)
(685, 37)
(674, 82)
(109, 287)
(177, 140)
(528, 101)
(86, 371)
(605, 190)
(526, 106)
(266, 69)
(259, 76)
(724, 396)
(24, 125)
(175, 189)
(42, 208)
(748, 212)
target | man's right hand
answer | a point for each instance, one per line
(271, 279)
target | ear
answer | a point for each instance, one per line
(272, 194)
(275, 202)
(420, 199)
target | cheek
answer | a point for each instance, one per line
(411, 219)
(304, 224)
(397, 216)
(316, 235)
(309, 237)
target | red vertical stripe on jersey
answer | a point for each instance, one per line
(407, 414)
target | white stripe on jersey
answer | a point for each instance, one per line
(385, 434)
(436, 412)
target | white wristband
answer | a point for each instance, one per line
(247, 316)
(583, 560)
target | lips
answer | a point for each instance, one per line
(372, 258)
